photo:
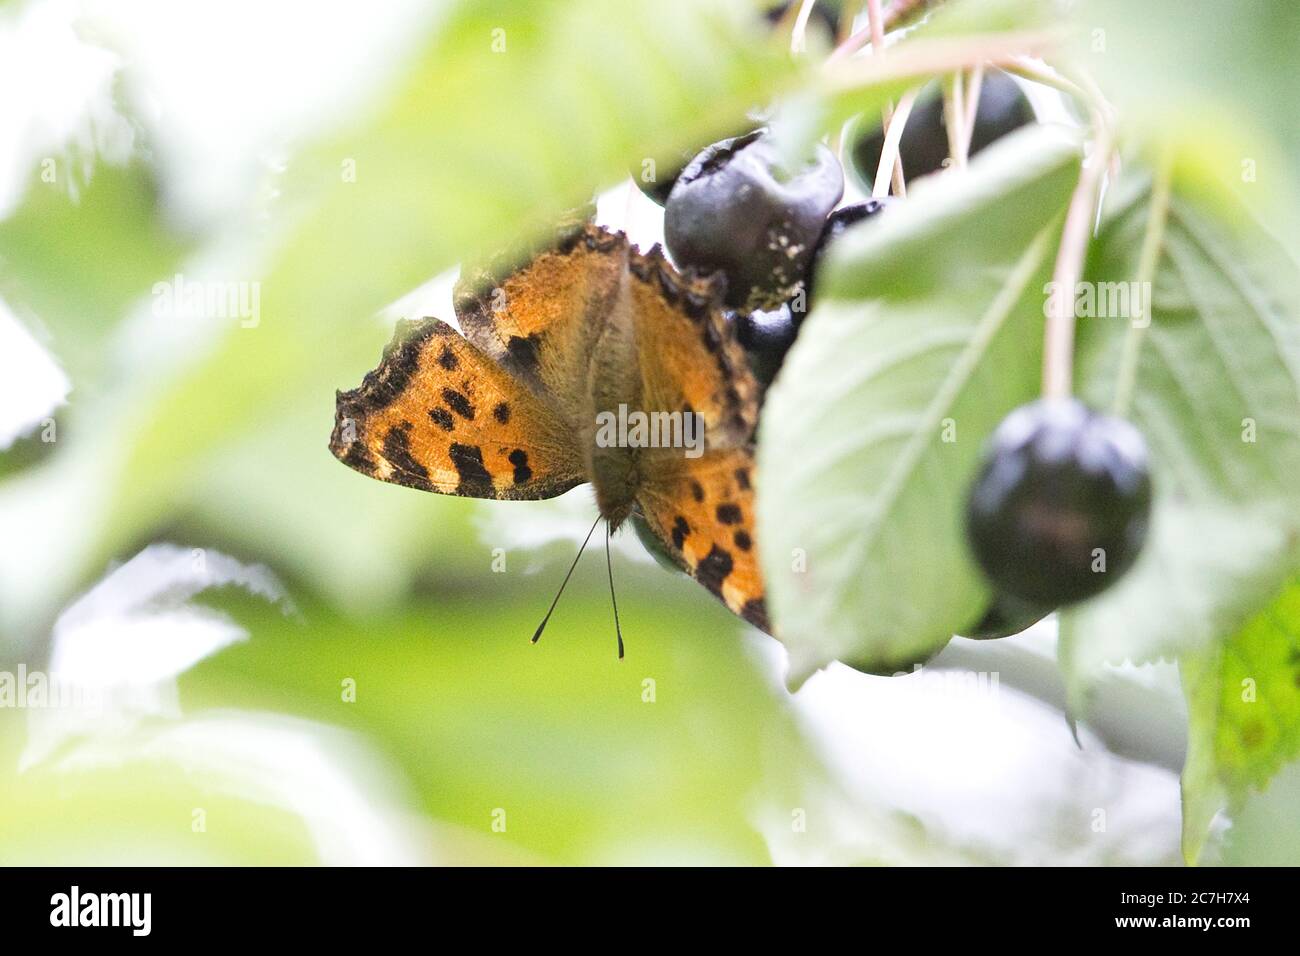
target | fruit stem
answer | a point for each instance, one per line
(875, 24)
(848, 13)
(799, 35)
(1148, 259)
(900, 13)
(954, 118)
(890, 162)
(972, 106)
(1058, 339)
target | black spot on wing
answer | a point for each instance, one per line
(680, 530)
(502, 412)
(475, 482)
(519, 458)
(458, 403)
(742, 539)
(713, 570)
(729, 514)
(742, 478)
(442, 418)
(358, 456)
(447, 359)
(397, 451)
(697, 490)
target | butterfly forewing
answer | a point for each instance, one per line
(438, 415)
(541, 319)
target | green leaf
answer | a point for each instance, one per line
(1243, 703)
(77, 258)
(1217, 395)
(929, 327)
(1209, 72)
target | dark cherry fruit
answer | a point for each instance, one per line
(839, 221)
(656, 179)
(1061, 505)
(767, 335)
(656, 182)
(1005, 616)
(739, 209)
(924, 146)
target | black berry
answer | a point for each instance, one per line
(1060, 507)
(656, 179)
(741, 209)
(839, 221)
(655, 182)
(1005, 616)
(924, 146)
(767, 335)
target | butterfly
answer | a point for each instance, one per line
(556, 342)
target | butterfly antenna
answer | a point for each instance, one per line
(609, 566)
(540, 627)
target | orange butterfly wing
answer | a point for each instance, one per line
(540, 318)
(703, 511)
(439, 415)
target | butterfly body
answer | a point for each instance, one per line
(558, 349)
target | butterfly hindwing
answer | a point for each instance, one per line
(687, 350)
(702, 510)
(439, 415)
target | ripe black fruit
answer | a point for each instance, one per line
(1060, 508)
(660, 183)
(924, 146)
(741, 209)
(767, 335)
(839, 221)
(1005, 616)
(657, 179)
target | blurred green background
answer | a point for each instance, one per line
(354, 683)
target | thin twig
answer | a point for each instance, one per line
(972, 106)
(799, 35)
(899, 13)
(1148, 259)
(876, 27)
(924, 58)
(1058, 339)
(954, 116)
(889, 158)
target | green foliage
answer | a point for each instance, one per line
(1217, 394)
(55, 266)
(866, 463)
(591, 759)
(1243, 702)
